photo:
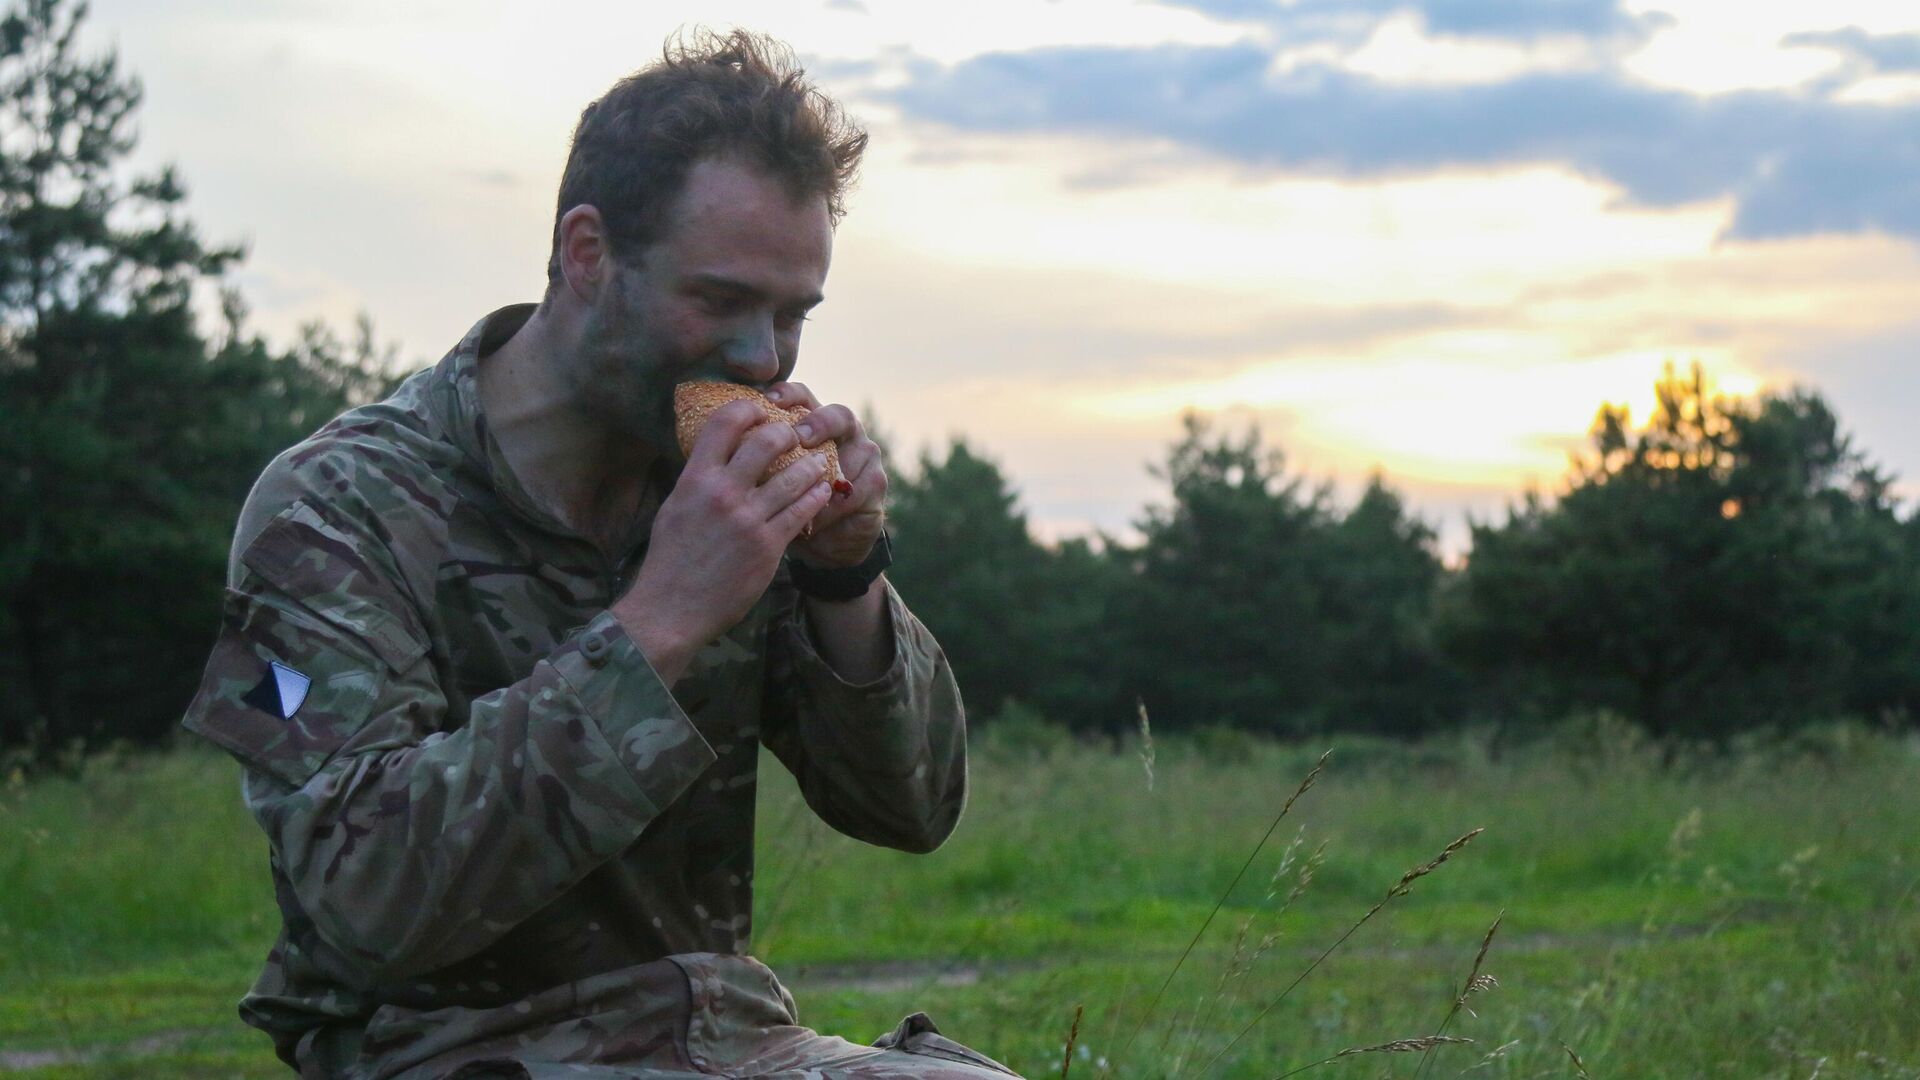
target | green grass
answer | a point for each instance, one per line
(1746, 916)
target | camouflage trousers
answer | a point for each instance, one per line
(691, 1017)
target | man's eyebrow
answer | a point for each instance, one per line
(741, 288)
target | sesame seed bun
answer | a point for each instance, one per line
(694, 402)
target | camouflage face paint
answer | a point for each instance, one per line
(625, 369)
(748, 349)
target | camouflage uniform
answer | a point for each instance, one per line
(495, 834)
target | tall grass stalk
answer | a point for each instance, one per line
(1423, 1044)
(1578, 1065)
(1400, 888)
(1146, 743)
(1073, 1036)
(1475, 984)
(1239, 966)
(1312, 775)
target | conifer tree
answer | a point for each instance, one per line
(126, 440)
(1733, 564)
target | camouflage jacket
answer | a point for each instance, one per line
(474, 786)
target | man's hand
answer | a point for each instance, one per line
(718, 537)
(853, 637)
(848, 528)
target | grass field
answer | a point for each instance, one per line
(1754, 915)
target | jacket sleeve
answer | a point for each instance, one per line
(884, 761)
(411, 838)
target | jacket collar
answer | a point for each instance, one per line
(457, 400)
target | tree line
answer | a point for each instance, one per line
(1732, 564)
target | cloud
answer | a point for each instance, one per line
(1351, 21)
(1883, 53)
(1871, 381)
(1795, 164)
(1014, 326)
(490, 177)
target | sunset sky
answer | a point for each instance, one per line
(1425, 236)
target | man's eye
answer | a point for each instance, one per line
(792, 319)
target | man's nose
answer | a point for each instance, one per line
(750, 355)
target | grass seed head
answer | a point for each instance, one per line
(1405, 884)
(1404, 1046)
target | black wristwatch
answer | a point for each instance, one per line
(842, 583)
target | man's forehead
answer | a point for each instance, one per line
(722, 195)
(725, 180)
(735, 221)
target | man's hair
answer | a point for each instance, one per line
(738, 95)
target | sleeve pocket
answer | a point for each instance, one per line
(323, 568)
(283, 691)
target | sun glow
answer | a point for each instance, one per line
(1453, 412)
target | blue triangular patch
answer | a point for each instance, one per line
(293, 689)
(281, 691)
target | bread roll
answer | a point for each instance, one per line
(694, 402)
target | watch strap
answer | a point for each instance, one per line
(842, 583)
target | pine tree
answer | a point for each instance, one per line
(968, 567)
(1024, 625)
(126, 442)
(1734, 564)
(1257, 602)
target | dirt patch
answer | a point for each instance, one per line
(886, 977)
(160, 1042)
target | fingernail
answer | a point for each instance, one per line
(773, 395)
(805, 429)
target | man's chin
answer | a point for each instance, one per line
(647, 426)
(654, 444)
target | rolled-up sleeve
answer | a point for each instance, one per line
(882, 761)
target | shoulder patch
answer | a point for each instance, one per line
(281, 691)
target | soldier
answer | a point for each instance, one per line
(498, 662)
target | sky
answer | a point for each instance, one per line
(1427, 238)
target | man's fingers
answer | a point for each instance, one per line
(790, 483)
(863, 500)
(761, 448)
(867, 485)
(718, 437)
(857, 458)
(797, 514)
(835, 422)
(788, 394)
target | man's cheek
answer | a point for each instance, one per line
(645, 400)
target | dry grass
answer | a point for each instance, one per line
(1578, 1065)
(1476, 983)
(1424, 1044)
(1073, 1036)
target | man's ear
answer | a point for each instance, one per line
(585, 255)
